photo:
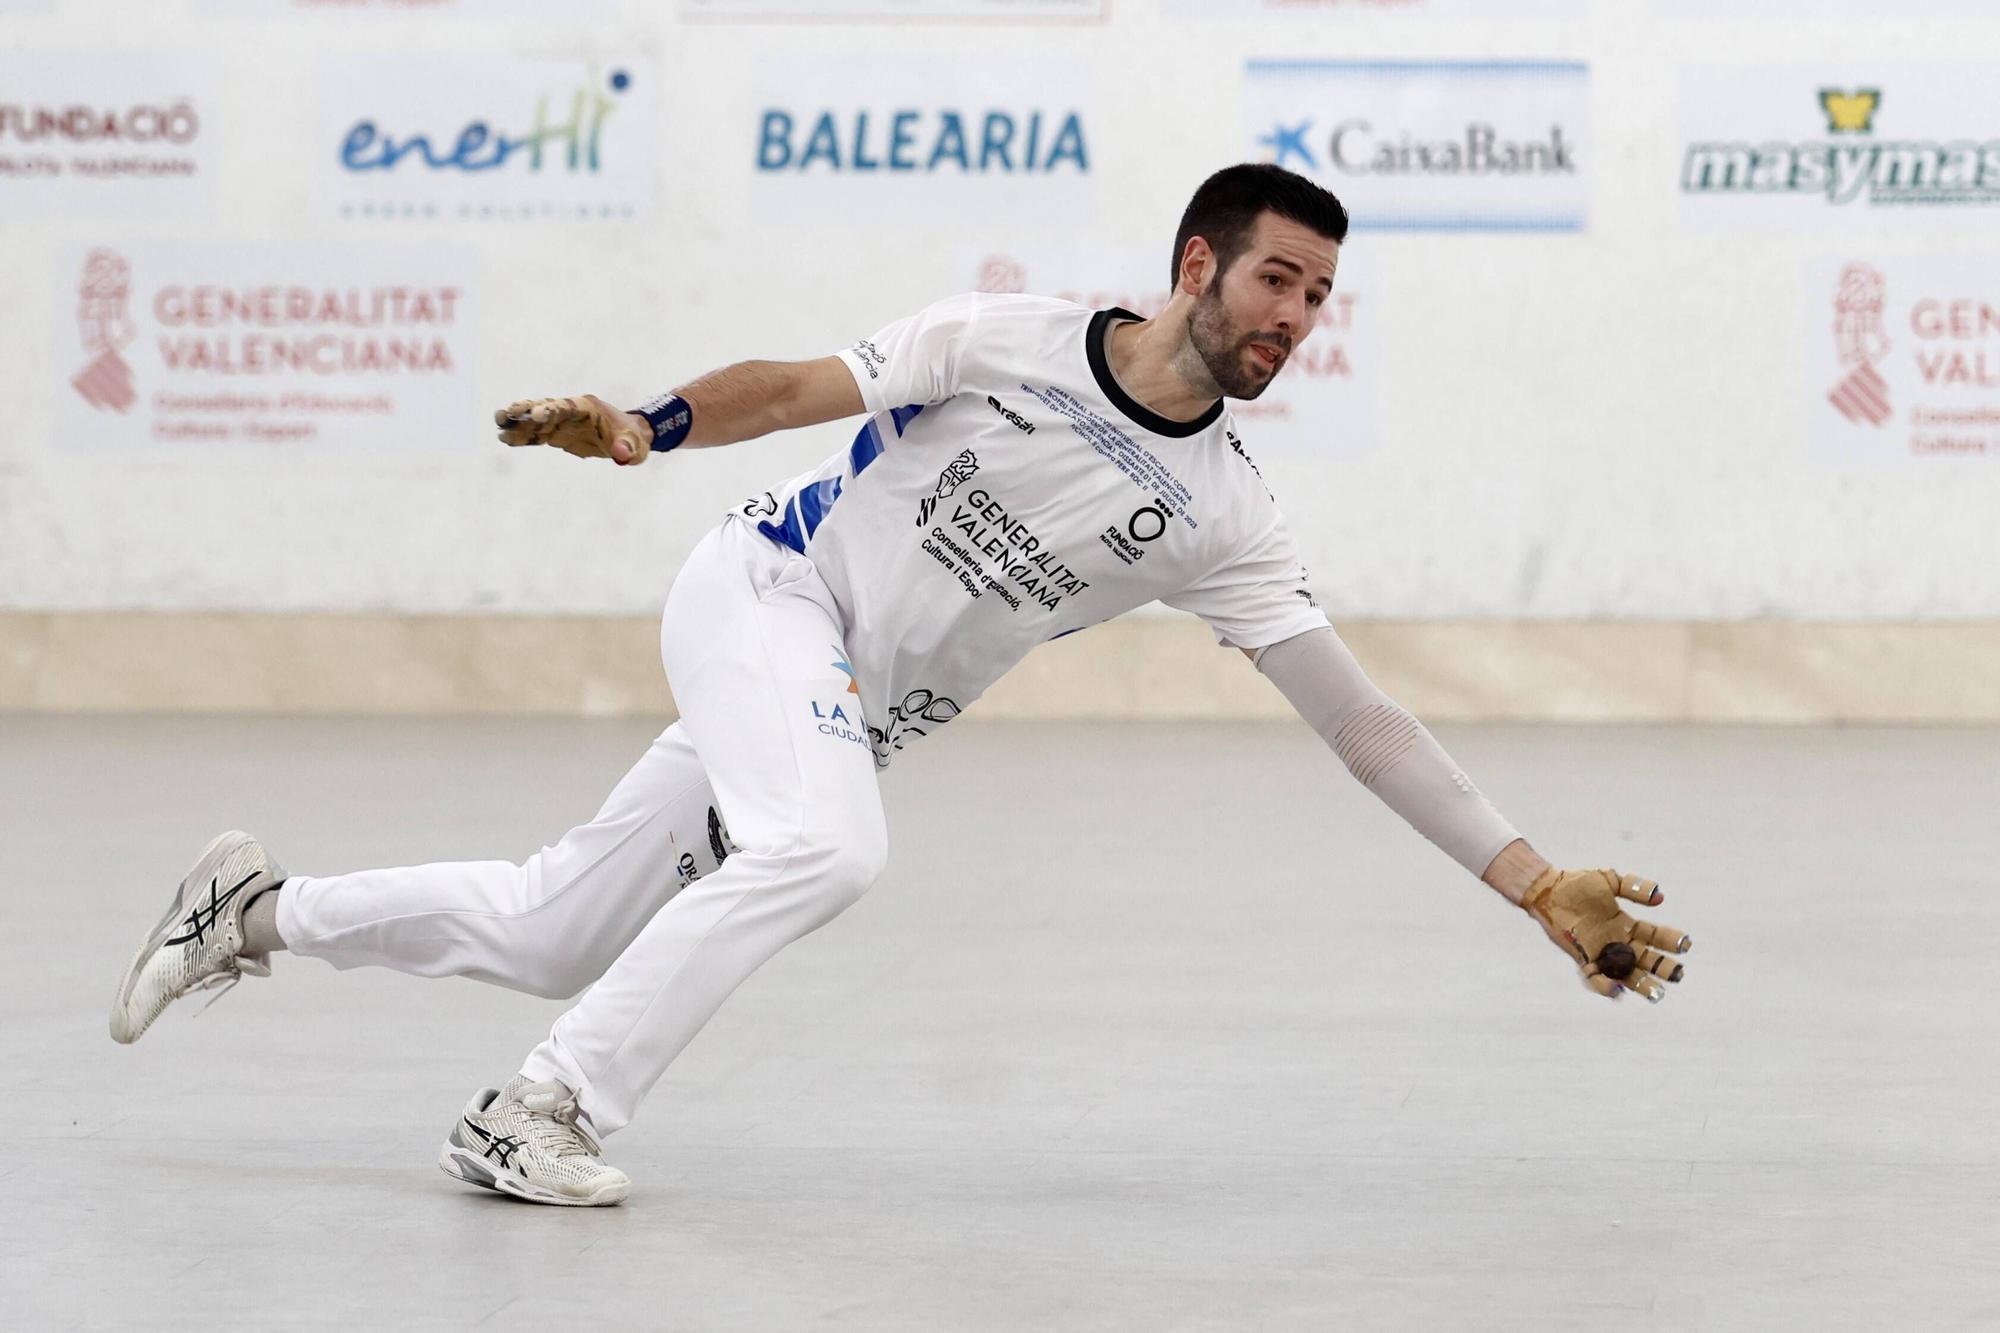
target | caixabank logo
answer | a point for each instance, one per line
(484, 139)
(1792, 147)
(1479, 145)
(893, 142)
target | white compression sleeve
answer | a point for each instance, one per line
(1386, 748)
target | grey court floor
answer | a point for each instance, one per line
(1148, 1028)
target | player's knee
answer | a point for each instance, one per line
(560, 978)
(845, 863)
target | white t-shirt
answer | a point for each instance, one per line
(1007, 491)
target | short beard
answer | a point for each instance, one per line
(1211, 356)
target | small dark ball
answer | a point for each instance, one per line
(1617, 961)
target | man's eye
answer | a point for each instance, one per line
(1315, 299)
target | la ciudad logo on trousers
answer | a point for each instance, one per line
(834, 718)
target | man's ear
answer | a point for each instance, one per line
(1197, 267)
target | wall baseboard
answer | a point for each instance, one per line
(1137, 667)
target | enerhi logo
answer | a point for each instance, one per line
(923, 142)
(1849, 165)
(564, 133)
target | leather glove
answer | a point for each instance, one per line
(1579, 911)
(587, 426)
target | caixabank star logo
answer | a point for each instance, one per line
(1862, 159)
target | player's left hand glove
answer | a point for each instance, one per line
(586, 426)
(1579, 911)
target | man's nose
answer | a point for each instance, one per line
(1292, 317)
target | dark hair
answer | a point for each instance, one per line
(1225, 209)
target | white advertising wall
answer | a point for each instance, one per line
(1648, 314)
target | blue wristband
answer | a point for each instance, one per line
(671, 419)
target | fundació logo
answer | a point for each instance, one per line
(1147, 524)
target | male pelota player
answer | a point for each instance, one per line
(1029, 468)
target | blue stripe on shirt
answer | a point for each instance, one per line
(814, 502)
(805, 511)
(867, 447)
(790, 534)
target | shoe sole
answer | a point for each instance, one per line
(472, 1169)
(167, 923)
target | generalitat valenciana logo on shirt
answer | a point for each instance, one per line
(956, 473)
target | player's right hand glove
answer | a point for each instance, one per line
(587, 426)
(1579, 911)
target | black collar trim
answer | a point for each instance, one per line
(1095, 342)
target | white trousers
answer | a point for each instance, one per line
(753, 820)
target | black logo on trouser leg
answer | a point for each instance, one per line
(918, 714)
(718, 837)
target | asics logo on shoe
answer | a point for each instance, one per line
(501, 1148)
(204, 916)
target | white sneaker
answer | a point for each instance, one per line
(198, 943)
(525, 1140)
